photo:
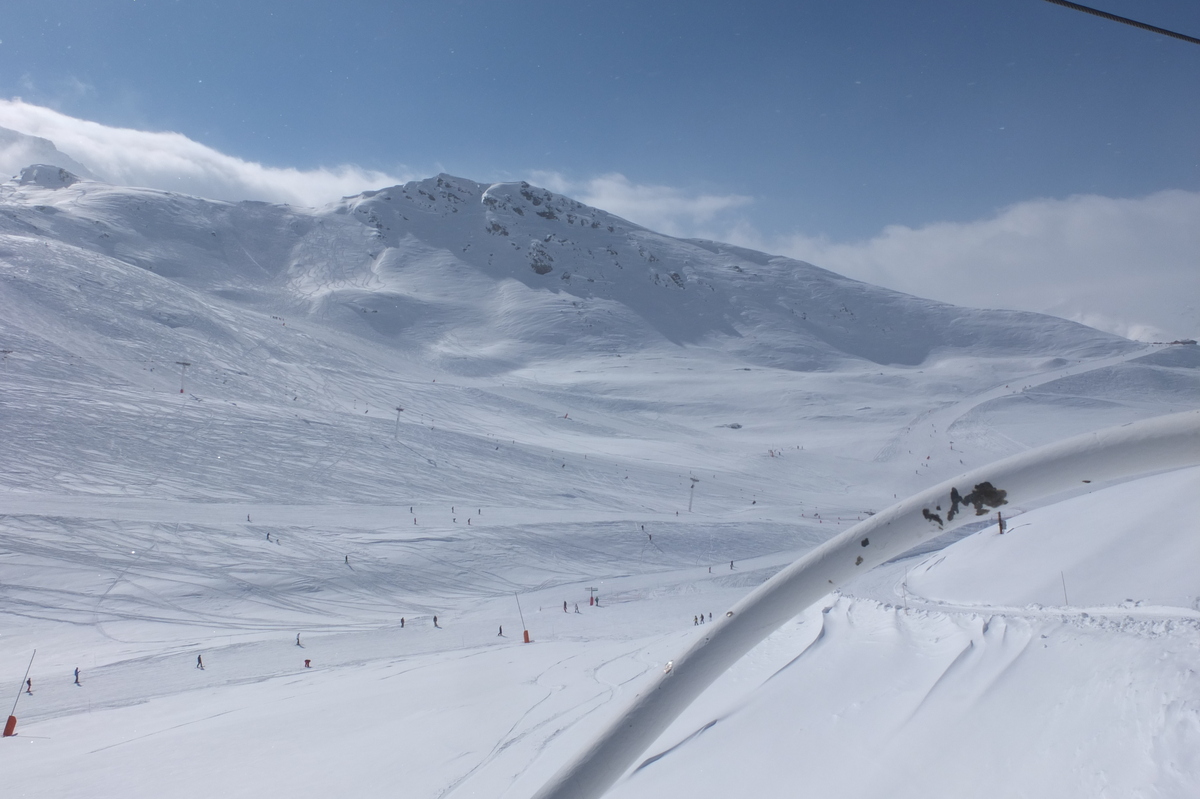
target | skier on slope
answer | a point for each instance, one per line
(77, 675)
(200, 662)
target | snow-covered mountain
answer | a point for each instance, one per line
(494, 276)
(278, 306)
(223, 424)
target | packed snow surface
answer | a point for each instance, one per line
(226, 425)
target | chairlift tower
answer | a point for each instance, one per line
(183, 373)
(692, 492)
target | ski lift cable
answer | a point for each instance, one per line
(1124, 20)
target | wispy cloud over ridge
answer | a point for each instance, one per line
(1130, 266)
(665, 209)
(172, 161)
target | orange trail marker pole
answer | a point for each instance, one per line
(518, 598)
(10, 728)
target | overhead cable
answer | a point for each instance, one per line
(1124, 20)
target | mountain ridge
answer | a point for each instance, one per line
(450, 266)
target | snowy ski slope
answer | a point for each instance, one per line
(561, 383)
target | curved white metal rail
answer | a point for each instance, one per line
(1153, 445)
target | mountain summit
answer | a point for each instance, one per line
(487, 277)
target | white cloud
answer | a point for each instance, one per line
(172, 161)
(1130, 266)
(662, 208)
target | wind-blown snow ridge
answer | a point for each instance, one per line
(18, 150)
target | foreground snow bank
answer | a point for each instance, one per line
(979, 692)
(1168, 442)
(926, 704)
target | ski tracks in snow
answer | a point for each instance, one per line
(937, 422)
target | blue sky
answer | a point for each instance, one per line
(815, 121)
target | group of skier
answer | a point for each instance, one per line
(595, 600)
(29, 682)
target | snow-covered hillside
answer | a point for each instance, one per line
(968, 672)
(423, 400)
(487, 278)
